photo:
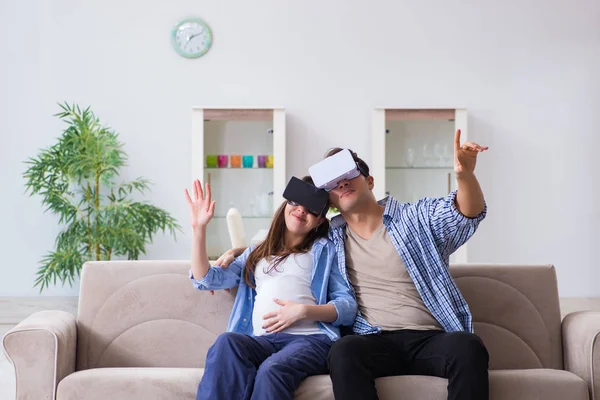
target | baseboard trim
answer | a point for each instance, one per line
(15, 309)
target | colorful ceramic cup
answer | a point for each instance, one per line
(236, 161)
(223, 161)
(211, 161)
(270, 161)
(248, 161)
(262, 161)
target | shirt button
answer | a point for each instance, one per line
(249, 298)
(245, 320)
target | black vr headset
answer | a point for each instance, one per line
(315, 200)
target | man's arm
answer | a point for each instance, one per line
(227, 258)
(469, 197)
(450, 228)
(453, 219)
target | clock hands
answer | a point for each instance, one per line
(194, 35)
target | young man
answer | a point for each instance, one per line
(412, 318)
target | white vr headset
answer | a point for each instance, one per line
(326, 174)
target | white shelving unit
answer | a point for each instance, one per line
(412, 154)
(256, 191)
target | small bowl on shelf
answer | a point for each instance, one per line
(211, 161)
(236, 161)
(262, 161)
(223, 161)
(248, 161)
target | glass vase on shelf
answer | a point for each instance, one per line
(250, 209)
(448, 156)
(438, 155)
(410, 157)
(426, 155)
(264, 202)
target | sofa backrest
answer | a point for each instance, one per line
(515, 311)
(147, 314)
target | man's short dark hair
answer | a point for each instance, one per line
(362, 166)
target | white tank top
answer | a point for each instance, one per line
(290, 280)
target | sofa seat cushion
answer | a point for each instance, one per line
(530, 384)
(130, 384)
(182, 383)
(550, 384)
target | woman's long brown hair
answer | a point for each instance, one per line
(274, 245)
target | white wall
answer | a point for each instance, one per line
(528, 71)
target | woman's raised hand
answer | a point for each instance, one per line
(202, 208)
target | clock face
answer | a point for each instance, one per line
(191, 38)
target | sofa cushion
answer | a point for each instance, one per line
(130, 384)
(146, 314)
(533, 384)
(515, 312)
(181, 383)
(537, 384)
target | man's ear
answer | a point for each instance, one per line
(370, 182)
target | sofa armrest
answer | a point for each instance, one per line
(42, 349)
(581, 348)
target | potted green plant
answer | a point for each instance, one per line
(76, 178)
(332, 212)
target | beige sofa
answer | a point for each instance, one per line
(142, 332)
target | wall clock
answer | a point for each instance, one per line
(191, 37)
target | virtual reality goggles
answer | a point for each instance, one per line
(326, 174)
(314, 200)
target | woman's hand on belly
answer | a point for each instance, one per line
(288, 314)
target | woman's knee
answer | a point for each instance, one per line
(226, 341)
(269, 369)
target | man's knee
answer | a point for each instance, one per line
(347, 350)
(468, 349)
